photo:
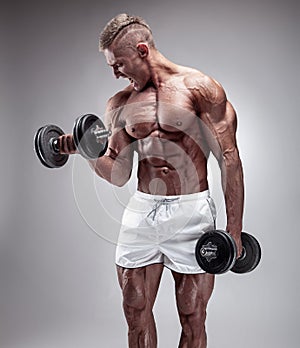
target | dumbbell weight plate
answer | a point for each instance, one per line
(43, 145)
(215, 252)
(251, 255)
(85, 139)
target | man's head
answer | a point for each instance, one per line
(125, 42)
(120, 26)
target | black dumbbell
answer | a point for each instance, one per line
(216, 253)
(90, 138)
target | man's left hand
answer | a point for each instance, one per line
(238, 242)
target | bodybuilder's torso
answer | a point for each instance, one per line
(168, 137)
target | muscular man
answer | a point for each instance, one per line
(173, 117)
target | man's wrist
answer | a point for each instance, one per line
(234, 230)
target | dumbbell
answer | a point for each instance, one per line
(90, 138)
(216, 253)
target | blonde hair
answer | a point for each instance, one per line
(123, 24)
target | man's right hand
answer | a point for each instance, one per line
(67, 145)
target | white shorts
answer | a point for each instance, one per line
(164, 229)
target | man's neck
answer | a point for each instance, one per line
(160, 68)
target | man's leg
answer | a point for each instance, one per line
(193, 292)
(139, 287)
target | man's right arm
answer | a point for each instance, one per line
(116, 165)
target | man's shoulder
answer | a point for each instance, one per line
(203, 85)
(119, 99)
(113, 107)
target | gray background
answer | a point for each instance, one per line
(58, 286)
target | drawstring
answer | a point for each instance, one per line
(159, 203)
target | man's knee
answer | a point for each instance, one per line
(190, 304)
(134, 296)
(133, 288)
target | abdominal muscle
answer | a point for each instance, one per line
(171, 167)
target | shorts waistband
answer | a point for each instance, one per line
(188, 197)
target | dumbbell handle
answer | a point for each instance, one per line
(100, 133)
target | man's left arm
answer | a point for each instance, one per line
(217, 113)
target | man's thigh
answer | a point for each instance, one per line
(193, 291)
(140, 284)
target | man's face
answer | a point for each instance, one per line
(128, 63)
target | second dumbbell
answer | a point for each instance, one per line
(216, 253)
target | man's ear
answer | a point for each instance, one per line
(143, 49)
